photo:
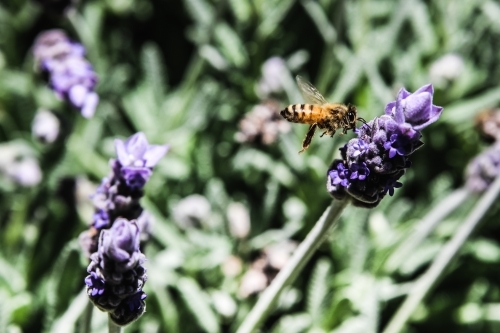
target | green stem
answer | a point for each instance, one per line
(425, 227)
(112, 327)
(442, 261)
(287, 275)
(87, 318)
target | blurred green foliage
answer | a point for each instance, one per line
(185, 73)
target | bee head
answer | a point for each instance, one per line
(352, 115)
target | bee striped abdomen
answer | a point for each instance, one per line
(299, 113)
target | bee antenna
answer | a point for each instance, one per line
(362, 120)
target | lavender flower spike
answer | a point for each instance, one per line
(70, 75)
(483, 169)
(118, 231)
(117, 273)
(372, 163)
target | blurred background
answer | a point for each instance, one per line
(232, 198)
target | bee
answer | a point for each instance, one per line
(320, 114)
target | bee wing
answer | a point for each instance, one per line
(309, 92)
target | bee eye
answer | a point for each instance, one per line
(352, 116)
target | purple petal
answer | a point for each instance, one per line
(137, 145)
(121, 241)
(136, 177)
(90, 104)
(121, 152)
(389, 108)
(427, 88)
(420, 112)
(418, 106)
(154, 154)
(77, 95)
(400, 104)
(434, 115)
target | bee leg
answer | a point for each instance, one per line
(309, 136)
(325, 132)
(333, 133)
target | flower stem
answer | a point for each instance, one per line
(445, 256)
(86, 318)
(294, 266)
(425, 227)
(112, 327)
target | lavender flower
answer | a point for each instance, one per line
(70, 75)
(137, 158)
(119, 225)
(116, 272)
(483, 169)
(372, 163)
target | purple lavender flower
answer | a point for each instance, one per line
(137, 152)
(70, 76)
(137, 158)
(415, 109)
(120, 244)
(95, 284)
(116, 270)
(101, 219)
(359, 171)
(483, 169)
(340, 176)
(372, 163)
(391, 185)
(359, 148)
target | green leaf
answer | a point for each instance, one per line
(231, 45)
(154, 71)
(198, 303)
(318, 289)
(295, 323)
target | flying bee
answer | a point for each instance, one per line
(320, 114)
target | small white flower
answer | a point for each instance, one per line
(45, 126)
(447, 68)
(239, 220)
